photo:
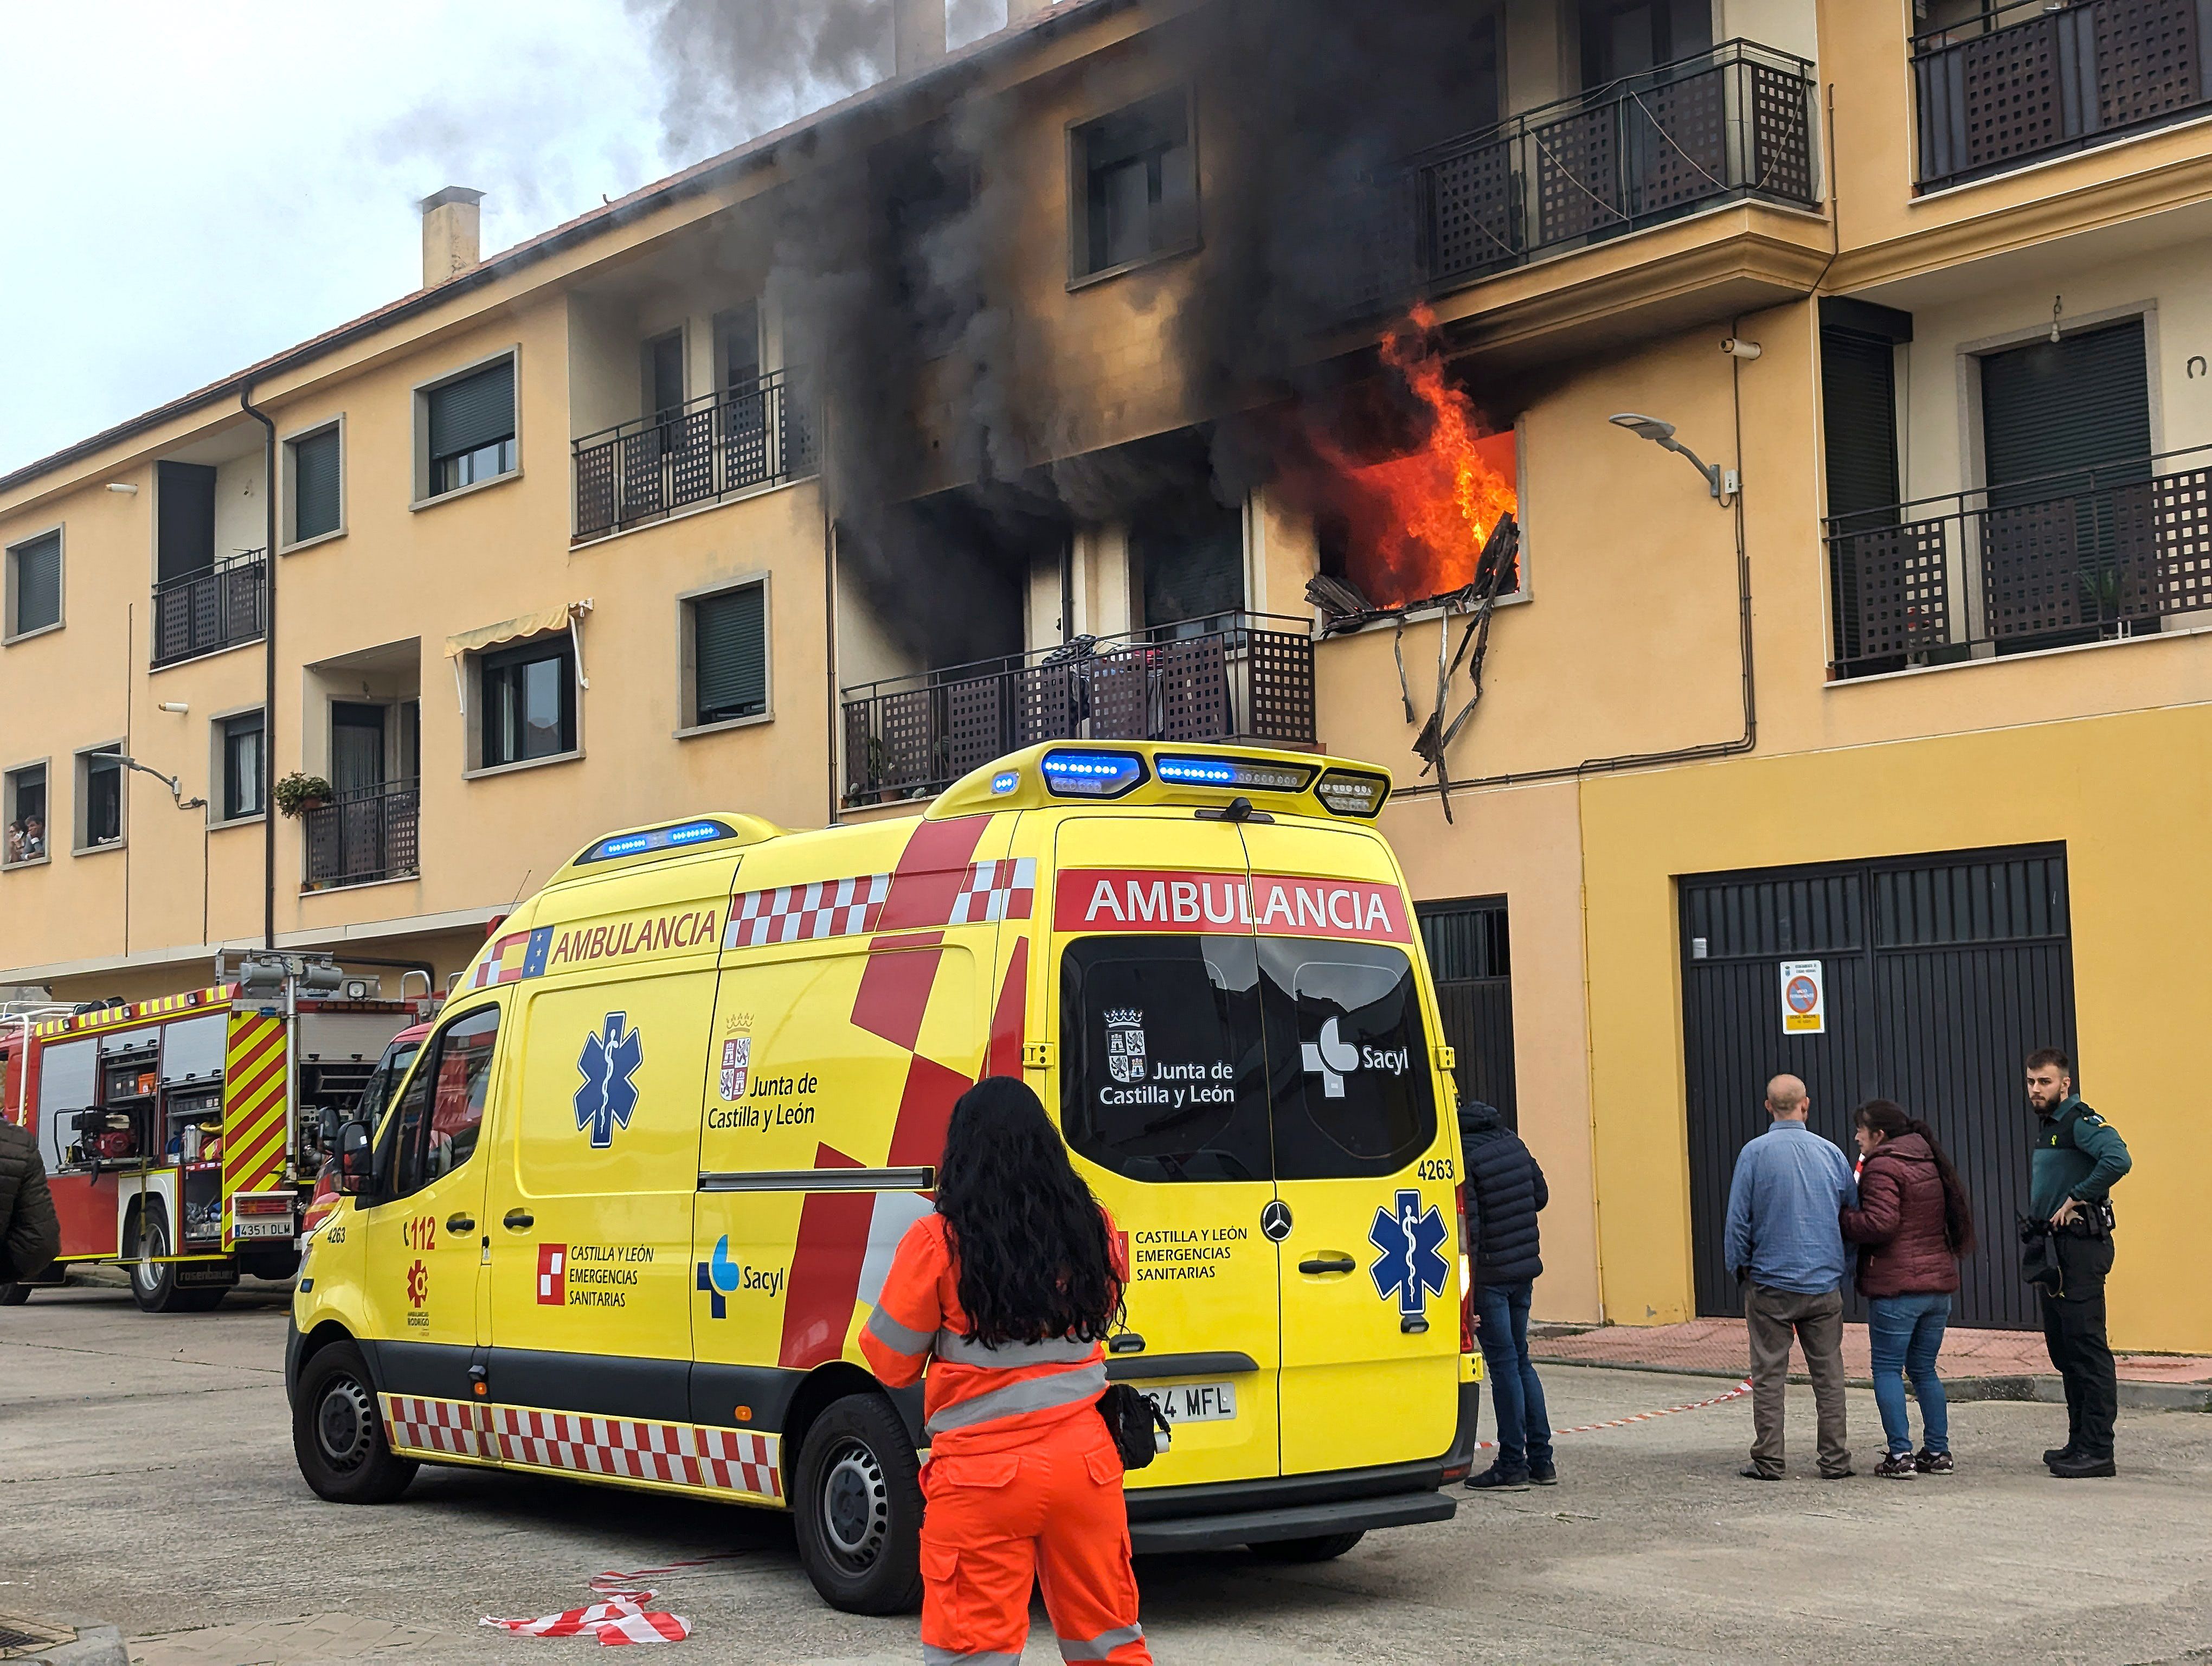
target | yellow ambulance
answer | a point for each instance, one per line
(626, 1213)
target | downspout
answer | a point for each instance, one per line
(268, 664)
(829, 618)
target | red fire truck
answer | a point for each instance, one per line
(181, 1136)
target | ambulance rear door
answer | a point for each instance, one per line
(1364, 1154)
(1151, 994)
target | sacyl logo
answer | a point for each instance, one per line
(1333, 1058)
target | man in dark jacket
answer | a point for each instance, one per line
(1504, 1191)
(2078, 1155)
(30, 1236)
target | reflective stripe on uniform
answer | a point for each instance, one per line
(1035, 1394)
(934, 1655)
(900, 1339)
(1100, 1647)
(1011, 1356)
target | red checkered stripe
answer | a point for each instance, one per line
(802, 914)
(678, 1454)
(996, 890)
(452, 1428)
(596, 1446)
(741, 1462)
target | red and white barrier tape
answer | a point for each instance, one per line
(1735, 1393)
(619, 1617)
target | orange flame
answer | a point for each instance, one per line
(1416, 524)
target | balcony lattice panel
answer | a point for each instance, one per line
(1046, 704)
(2012, 93)
(2135, 552)
(908, 733)
(2181, 513)
(1193, 690)
(1471, 210)
(1781, 134)
(1902, 581)
(1578, 163)
(1121, 696)
(1682, 136)
(974, 724)
(2032, 570)
(858, 772)
(2147, 60)
(1280, 697)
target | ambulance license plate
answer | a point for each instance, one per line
(1196, 1403)
(276, 1226)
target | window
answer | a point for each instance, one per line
(35, 584)
(1189, 554)
(529, 701)
(664, 375)
(315, 503)
(1626, 37)
(243, 781)
(1139, 185)
(26, 814)
(100, 798)
(442, 1109)
(470, 425)
(737, 352)
(726, 644)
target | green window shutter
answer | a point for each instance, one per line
(38, 583)
(475, 411)
(729, 645)
(315, 485)
(2052, 407)
(1858, 397)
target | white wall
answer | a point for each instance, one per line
(240, 512)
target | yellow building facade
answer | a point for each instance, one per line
(1933, 631)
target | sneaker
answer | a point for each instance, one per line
(1497, 1479)
(1542, 1472)
(1938, 1464)
(1752, 1472)
(1897, 1466)
(2060, 1454)
(2082, 1467)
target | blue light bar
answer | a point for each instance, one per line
(674, 837)
(1091, 775)
(1005, 781)
(1232, 772)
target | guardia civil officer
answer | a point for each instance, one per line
(2078, 1155)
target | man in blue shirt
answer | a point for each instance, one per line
(1785, 1241)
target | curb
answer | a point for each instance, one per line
(2042, 1388)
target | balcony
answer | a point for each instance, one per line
(364, 836)
(714, 447)
(207, 612)
(2029, 79)
(2094, 555)
(1246, 677)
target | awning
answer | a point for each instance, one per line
(569, 617)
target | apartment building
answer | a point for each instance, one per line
(988, 407)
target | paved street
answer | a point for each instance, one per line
(146, 1478)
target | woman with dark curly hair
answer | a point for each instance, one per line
(1004, 1296)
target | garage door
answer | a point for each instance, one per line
(1940, 972)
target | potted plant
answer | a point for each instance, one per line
(296, 795)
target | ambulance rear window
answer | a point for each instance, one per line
(1165, 1077)
(1353, 1089)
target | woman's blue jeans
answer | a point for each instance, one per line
(1524, 1430)
(1903, 1333)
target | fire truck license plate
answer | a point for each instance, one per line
(273, 1226)
(1196, 1403)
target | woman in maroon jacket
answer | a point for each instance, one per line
(1912, 1223)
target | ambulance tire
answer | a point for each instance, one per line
(338, 1436)
(1323, 1548)
(859, 1505)
(13, 1294)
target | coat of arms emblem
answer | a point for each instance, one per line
(1125, 1044)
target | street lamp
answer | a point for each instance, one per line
(1723, 483)
(176, 792)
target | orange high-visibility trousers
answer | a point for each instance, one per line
(1050, 1510)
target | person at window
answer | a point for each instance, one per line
(1912, 1222)
(35, 838)
(15, 842)
(1505, 1192)
(1004, 1297)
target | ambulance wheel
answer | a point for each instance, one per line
(337, 1435)
(13, 1294)
(1323, 1548)
(859, 1505)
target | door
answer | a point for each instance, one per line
(1470, 953)
(1152, 987)
(425, 1232)
(1364, 1157)
(356, 748)
(1941, 975)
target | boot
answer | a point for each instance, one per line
(2083, 1466)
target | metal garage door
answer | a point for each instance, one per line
(1941, 973)
(1471, 957)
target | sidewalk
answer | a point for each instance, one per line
(1976, 1364)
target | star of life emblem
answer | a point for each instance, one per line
(1125, 1044)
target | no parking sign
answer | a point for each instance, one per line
(1804, 998)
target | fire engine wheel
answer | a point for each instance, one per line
(154, 1280)
(337, 1436)
(1323, 1548)
(859, 1504)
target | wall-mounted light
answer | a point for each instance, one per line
(1722, 483)
(1737, 348)
(179, 706)
(128, 488)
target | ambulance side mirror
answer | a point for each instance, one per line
(356, 1164)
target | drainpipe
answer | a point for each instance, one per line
(268, 665)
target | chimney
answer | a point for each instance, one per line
(451, 239)
(917, 35)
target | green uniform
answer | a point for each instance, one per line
(2077, 1155)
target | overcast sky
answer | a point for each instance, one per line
(191, 187)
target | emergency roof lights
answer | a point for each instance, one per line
(1352, 792)
(1232, 772)
(674, 837)
(1088, 775)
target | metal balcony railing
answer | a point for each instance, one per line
(1244, 676)
(2100, 552)
(2027, 79)
(365, 835)
(202, 612)
(710, 448)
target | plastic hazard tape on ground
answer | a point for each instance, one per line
(1735, 1393)
(620, 1615)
